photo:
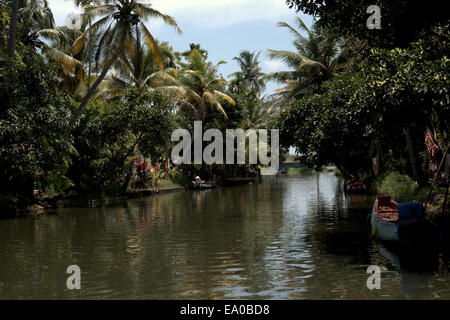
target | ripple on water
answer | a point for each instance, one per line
(295, 237)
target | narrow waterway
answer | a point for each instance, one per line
(287, 237)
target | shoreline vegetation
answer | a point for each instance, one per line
(89, 107)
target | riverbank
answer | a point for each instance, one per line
(50, 204)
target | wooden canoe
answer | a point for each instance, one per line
(401, 222)
(353, 186)
(385, 219)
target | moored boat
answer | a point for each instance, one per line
(401, 222)
(384, 219)
(353, 186)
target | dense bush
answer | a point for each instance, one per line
(34, 114)
(399, 186)
(391, 101)
(109, 138)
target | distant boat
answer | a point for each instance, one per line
(202, 186)
(237, 181)
(353, 186)
(401, 222)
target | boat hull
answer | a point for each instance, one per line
(387, 231)
(354, 187)
(410, 230)
(202, 186)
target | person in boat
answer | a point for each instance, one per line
(198, 181)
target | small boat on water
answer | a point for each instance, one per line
(353, 186)
(203, 185)
(401, 222)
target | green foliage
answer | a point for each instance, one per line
(411, 85)
(109, 138)
(393, 90)
(399, 186)
(318, 56)
(402, 21)
(4, 24)
(33, 119)
(329, 127)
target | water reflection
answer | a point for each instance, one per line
(287, 237)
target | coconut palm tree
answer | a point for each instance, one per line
(318, 56)
(137, 66)
(123, 21)
(250, 70)
(34, 15)
(257, 113)
(76, 68)
(195, 46)
(202, 88)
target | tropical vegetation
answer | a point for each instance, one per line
(89, 107)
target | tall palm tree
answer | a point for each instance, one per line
(257, 114)
(195, 46)
(202, 87)
(250, 70)
(37, 22)
(13, 28)
(123, 21)
(318, 56)
(88, 19)
(137, 66)
(35, 15)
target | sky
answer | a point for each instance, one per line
(223, 27)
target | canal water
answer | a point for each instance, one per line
(286, 237)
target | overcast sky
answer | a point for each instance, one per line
(223, 27)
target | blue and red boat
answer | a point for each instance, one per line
(404, 223)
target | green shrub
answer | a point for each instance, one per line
(400, 187)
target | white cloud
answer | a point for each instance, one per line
(199, 13)
(220, 13)
(274, 65)
(61, 9)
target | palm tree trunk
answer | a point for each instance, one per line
(89, 54)
(378, 167)
(13, 29)
(91, 91)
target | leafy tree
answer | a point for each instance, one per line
(410, 92)
(394, 97)
(329, 128)
(13, 28)
(34, 152)
(402, 21)
(110, 138)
